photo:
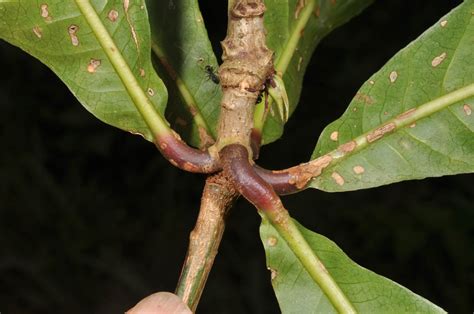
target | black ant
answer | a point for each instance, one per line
(211, 74)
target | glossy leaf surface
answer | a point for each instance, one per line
(437, 143)
(58, 35)
(298, 293)
(185, 54)
(282, 20)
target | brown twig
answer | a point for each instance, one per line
(217, 198)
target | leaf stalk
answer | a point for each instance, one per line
(236, 165)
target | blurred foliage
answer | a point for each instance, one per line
(93, 219)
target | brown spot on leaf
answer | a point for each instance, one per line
(45, 12)
(406, 114)
(113, 15)
(93, 65)
(126, 5)
(412, 125)
(142, 72)
(72, 30)
(347, 147)
(443, 23)
(302, 174)
(299, 6)
(38, 31)
(438, 60)
(364, 98)
(334, 136)
(393, 76)
(358, 170)
(150, 92)
(193, 111)
(272, 241)
(371, 82)
(378, 133)
(338, 178)
(273, 273)
(467, 110)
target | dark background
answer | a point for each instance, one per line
(93, 219)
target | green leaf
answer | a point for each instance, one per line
(58, 35)
(181, 42)
(439, 138)
(284, 21)
(297, 292)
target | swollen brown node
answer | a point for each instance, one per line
(236, 166)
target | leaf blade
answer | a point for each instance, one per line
(281, 21)
(298, 293)
(58, 35)
(180, 34)
(440, 143)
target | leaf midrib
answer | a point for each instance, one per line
(363, 144)
(155, 122)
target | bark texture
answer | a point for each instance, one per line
(247, 65)
(217, 198)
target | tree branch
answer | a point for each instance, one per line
(217, 198)
(247, 65)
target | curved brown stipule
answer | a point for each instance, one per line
(179, 154)
(235, 163)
